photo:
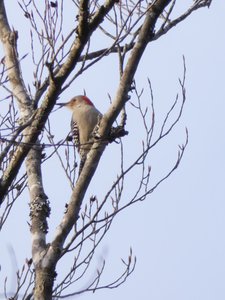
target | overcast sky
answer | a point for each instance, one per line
(177, 234)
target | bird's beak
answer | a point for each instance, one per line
(61, 104)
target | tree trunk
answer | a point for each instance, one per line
(44, 279)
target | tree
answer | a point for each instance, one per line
(59, 57)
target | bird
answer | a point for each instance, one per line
(85, 118)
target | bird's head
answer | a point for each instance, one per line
(76, 102)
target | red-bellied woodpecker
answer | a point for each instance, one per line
(84, 120)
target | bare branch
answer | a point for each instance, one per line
(196, 5)
(9, 42)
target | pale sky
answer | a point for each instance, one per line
(177, 233)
